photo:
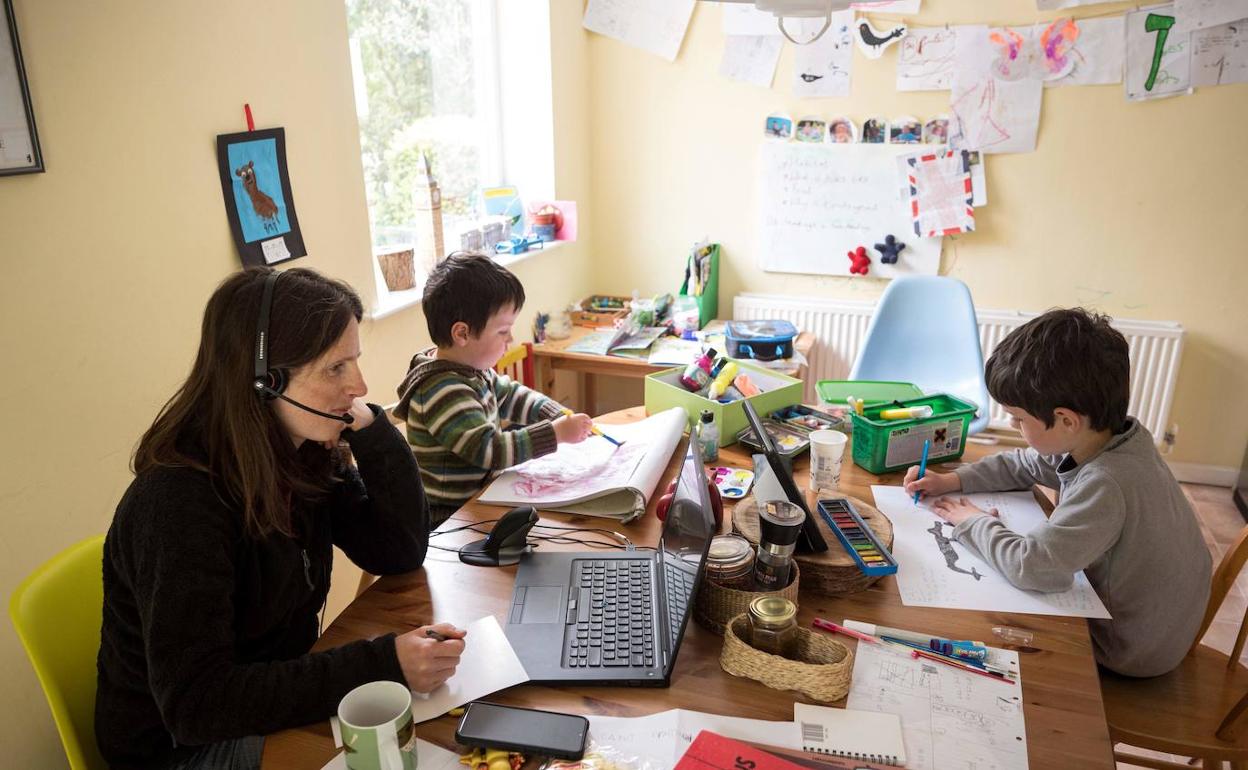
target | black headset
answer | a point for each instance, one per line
(270, 383)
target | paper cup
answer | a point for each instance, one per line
(377, 729)
(827, 449)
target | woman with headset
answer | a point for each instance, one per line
(218, 559)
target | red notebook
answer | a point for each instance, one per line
(710, 751)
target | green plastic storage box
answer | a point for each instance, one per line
(664, 391)
(884, 446)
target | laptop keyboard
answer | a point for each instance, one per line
(612, 623)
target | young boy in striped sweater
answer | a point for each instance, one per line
(453, 401)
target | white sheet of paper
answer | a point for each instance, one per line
(1098, 53)
(888, 6)
(657, 26)
(822, 68)
(990, 114)
(1220, 54)
(950, 719)
(934, 572)
(428, 757)
(659, 740)
(1200, 14)
(1052, 5)
(488, 665)
(742, 19)
(925, 59)
(751, 58)
(819, 202)
(1174, 75)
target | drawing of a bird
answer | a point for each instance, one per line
(869, 37)
(810, 78)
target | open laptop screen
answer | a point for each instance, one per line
(687, 534)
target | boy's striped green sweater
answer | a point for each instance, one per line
(454, 415)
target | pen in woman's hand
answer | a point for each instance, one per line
(437, 635)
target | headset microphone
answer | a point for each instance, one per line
(269, 383)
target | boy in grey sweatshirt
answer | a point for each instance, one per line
(1121, 516)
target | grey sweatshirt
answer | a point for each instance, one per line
(1123, 519)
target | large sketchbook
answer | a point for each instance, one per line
(595, 477)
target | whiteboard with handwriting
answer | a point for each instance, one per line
(818, 202)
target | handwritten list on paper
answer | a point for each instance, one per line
(819, 202)
(1220, 54)
(657, 26)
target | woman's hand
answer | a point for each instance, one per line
(426, 662)
(957, 510)
(932, 484)
(363, 415)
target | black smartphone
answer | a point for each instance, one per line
(526, 730)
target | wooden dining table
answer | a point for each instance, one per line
(1064, 714)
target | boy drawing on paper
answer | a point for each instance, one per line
(452, 400)
(1121, 516)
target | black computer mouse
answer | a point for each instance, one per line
(505, 543)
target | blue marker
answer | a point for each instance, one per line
(922, 466)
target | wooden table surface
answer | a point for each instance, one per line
(552, 355)
(1062, 698)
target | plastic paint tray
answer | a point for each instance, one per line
(733, 483)
(790, 442)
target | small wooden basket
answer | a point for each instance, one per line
(594, 317)
(398, 268)
(822, 670)
(715, 604)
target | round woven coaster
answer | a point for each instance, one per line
(833, 572)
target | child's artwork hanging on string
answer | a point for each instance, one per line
(256, 185)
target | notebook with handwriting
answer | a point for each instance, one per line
(865, 735)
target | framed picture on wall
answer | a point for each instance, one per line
(256, 186)
(19, 144)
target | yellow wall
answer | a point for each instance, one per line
(1136, 209)
(109, 256)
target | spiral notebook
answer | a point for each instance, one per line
(867, 735)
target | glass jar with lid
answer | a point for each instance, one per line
(773, 626)
(730, 562)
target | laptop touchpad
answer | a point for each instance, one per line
(541, 605)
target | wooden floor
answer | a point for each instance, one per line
(1220, 521)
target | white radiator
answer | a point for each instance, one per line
(840, 326)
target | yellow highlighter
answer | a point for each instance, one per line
(906, 413)
(594, 429)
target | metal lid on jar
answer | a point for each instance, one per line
(772, 611)
(727, 551)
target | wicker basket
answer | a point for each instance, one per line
(715, 604)
(822, 671)
(399, 269)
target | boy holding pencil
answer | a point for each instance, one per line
(454, 402)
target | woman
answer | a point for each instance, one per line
(218, 559)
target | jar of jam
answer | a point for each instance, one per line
(773, 626)
(730, 562)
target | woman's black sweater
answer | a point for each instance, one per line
(206, 630)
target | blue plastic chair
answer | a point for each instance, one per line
(924, 331)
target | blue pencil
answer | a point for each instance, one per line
(922, 466)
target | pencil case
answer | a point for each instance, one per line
(872, 557)
(761, 340)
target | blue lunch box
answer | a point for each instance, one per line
(760, 340)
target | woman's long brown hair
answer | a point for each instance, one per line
(217, 423)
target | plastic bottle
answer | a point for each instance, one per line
(708, 435)
(697, 375)
(722, 380)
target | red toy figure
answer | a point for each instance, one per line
(860, 263)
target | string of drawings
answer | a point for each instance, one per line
(829, 193)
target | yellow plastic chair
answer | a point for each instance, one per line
(57, 611)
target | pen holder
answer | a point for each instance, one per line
(821, 672)
(717, 604)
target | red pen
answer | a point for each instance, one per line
(963, 667)
(828, 625)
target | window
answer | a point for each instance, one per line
(426, 80)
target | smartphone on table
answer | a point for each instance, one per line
(526, 730)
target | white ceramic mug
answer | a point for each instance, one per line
(827, 450)
(377, 729)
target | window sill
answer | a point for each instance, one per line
(391, 302)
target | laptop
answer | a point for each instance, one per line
(615, 617)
